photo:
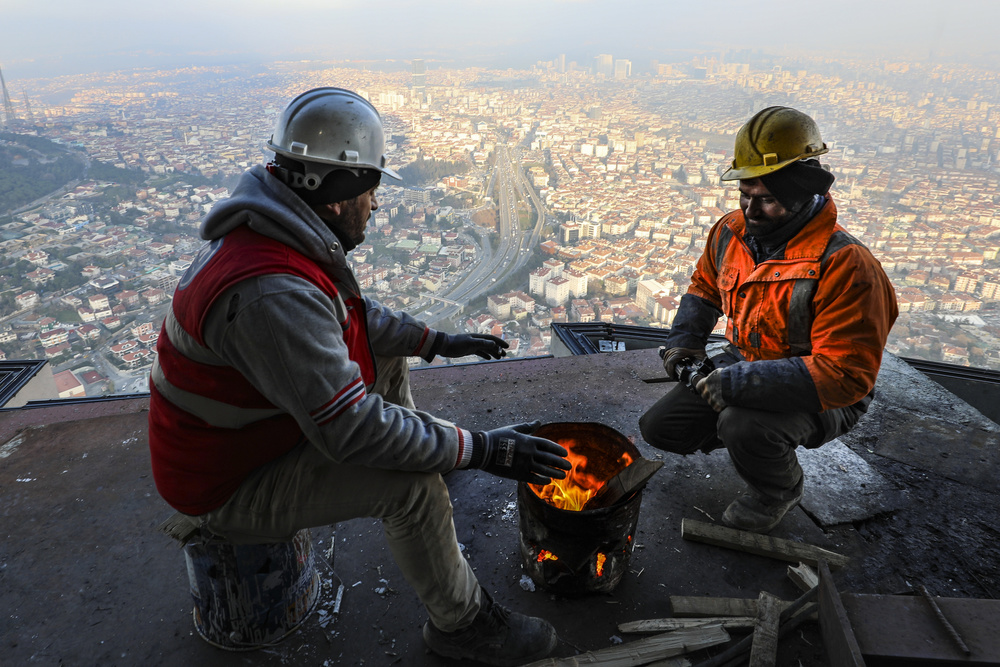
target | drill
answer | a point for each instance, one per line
(691, 370)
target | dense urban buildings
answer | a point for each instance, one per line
(587, 190)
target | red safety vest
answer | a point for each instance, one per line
(203, 451)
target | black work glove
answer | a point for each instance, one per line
(675, 355)
(710, 388)
(462, 345)
(512, 452)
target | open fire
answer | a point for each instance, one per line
(576, 533)
(580, 485)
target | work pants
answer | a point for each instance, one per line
(303, 489)
(761, 443)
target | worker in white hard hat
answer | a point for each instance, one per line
(808, 310)
(280, 397)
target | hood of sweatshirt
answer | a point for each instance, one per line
(271, 208)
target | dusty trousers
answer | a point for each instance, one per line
(304, 489)
(761, 443)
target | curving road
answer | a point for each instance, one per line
(513, 247)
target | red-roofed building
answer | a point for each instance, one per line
(68, 385)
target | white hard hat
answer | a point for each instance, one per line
(331, 128)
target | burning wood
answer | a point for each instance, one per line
(579, 485)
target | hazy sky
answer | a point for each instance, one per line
(51, 37)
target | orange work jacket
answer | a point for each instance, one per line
(826, 300)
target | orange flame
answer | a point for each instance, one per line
(544, 555)
(573, 492)
(600, 564)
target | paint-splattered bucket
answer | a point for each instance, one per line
(250, 595)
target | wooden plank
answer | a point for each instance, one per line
(687, 606)
(671, 662)
(760, 545)
(764, 650)
(838, 636)
(653, 625)
(644, 651)
(803, 576)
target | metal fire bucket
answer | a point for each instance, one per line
(579, 552)
(247, 596)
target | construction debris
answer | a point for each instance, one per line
(803, 576)
(952, 632)
(654, 625)
(684, 606)
(791, 618)
(764, 648)
(645, 651)
(761, 545)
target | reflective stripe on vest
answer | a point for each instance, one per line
(187, 345)
(800, 312)
(215, 413)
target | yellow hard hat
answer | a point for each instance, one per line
(773, 139)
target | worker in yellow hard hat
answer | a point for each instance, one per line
(808, 310)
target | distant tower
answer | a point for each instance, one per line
(28, 116)
(419, 81)
(623, 69)
(8, 107)
(561, 63)
(604, 64)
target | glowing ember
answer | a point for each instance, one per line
(600, 564)
(544, 555)
(579, 486)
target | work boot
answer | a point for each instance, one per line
(496, 636)
(755, 512)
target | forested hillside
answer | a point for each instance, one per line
(31, 167)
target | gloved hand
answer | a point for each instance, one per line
(512, 452)
(710, 388)
(461, 345)
(675, 355)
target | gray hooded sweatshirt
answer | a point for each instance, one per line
(282, 333)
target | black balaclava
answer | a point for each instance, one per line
(337, 186)
(798, 182)
(799, 187)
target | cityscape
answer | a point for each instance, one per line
(561, 192)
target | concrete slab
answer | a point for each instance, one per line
(917, 422)
(841, 487)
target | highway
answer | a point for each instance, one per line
(509, 184)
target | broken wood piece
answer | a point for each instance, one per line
(792, 617)
(761, 545)
(803, 576)
(685, 606)
(671, 662)
(629, 480)
(645, 650)
(838, 636)
(653, 625)
(764, 648)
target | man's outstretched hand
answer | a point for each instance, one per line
(512, 452)
(484, 345)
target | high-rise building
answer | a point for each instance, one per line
(561, 63)
(604, 64)
(419, 80)
(623, 69)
